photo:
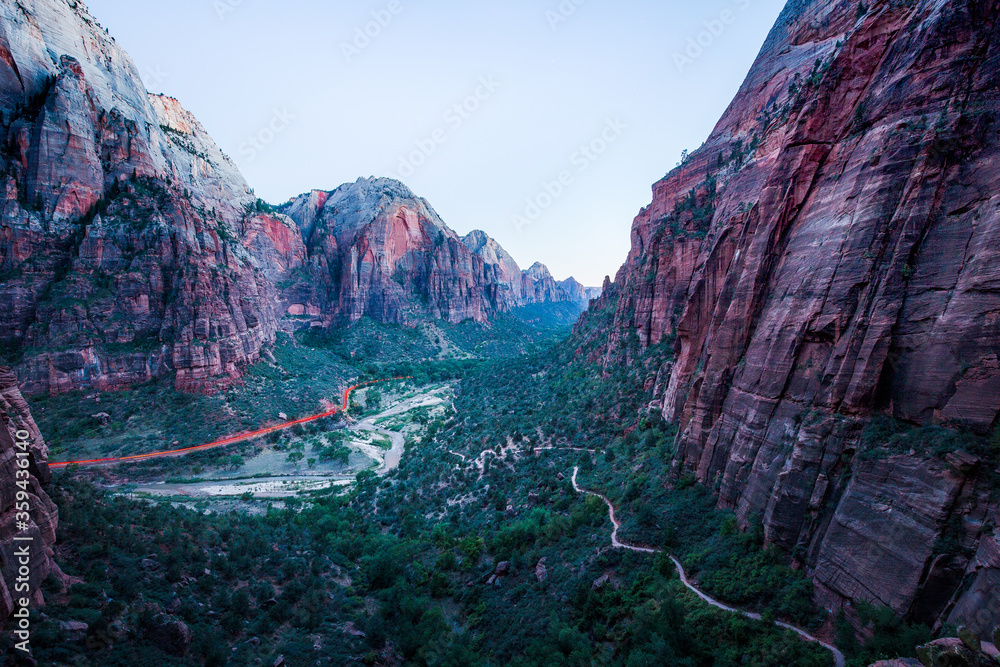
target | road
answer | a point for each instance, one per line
(278, 486)
(838, 656)
(231, 440)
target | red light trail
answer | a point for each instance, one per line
(242, 437)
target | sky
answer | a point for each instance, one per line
(542, 122)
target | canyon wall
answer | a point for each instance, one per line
(122, 224)
(376, 249)
(44, 516)
(826, 262)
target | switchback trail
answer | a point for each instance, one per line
(231, 440)
(838, 656)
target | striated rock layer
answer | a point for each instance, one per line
(376, 249)
(121, 228)
(44, 516)
(830, 254)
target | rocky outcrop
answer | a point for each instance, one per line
(121, 228)
(575, 291)
(19, 434)
(967, 650)
(828, 255)
(534, 285)
(881, 543)
(375, 249)
(513, 288)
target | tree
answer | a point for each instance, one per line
(311, 463)
(373, 399)
(296, 458)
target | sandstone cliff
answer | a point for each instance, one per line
(15, 417)
(376, 249)
(121, 228)
(533, 285)
(828, 255)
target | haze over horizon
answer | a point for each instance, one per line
(479, 109)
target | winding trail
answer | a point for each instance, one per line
(838, 656)
(231, 440)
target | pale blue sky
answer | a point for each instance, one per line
(564, 79)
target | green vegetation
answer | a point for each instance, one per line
(146, 418)
(373, 344)
(884, 437)
(260, 206)
(399, 568)
(890, 638)
(297, 578)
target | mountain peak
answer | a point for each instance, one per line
(352, 206)
(538, 271)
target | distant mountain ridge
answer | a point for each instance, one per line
(375, 249)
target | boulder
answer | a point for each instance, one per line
(952, 652)
(75, 631)
(541, 572)
(171, 635)
(970, 639)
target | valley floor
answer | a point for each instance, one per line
(269, 475)
(441, 523)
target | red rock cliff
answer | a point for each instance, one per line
(376, 249)
(121, 221)
(131, 247)
(830, 254)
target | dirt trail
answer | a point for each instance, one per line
(838, 656)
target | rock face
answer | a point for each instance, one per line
(830, 254)
(131, 247)
(121, 228)
(15, 418)
(880, 544)
(522, 288)
(375, 249)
